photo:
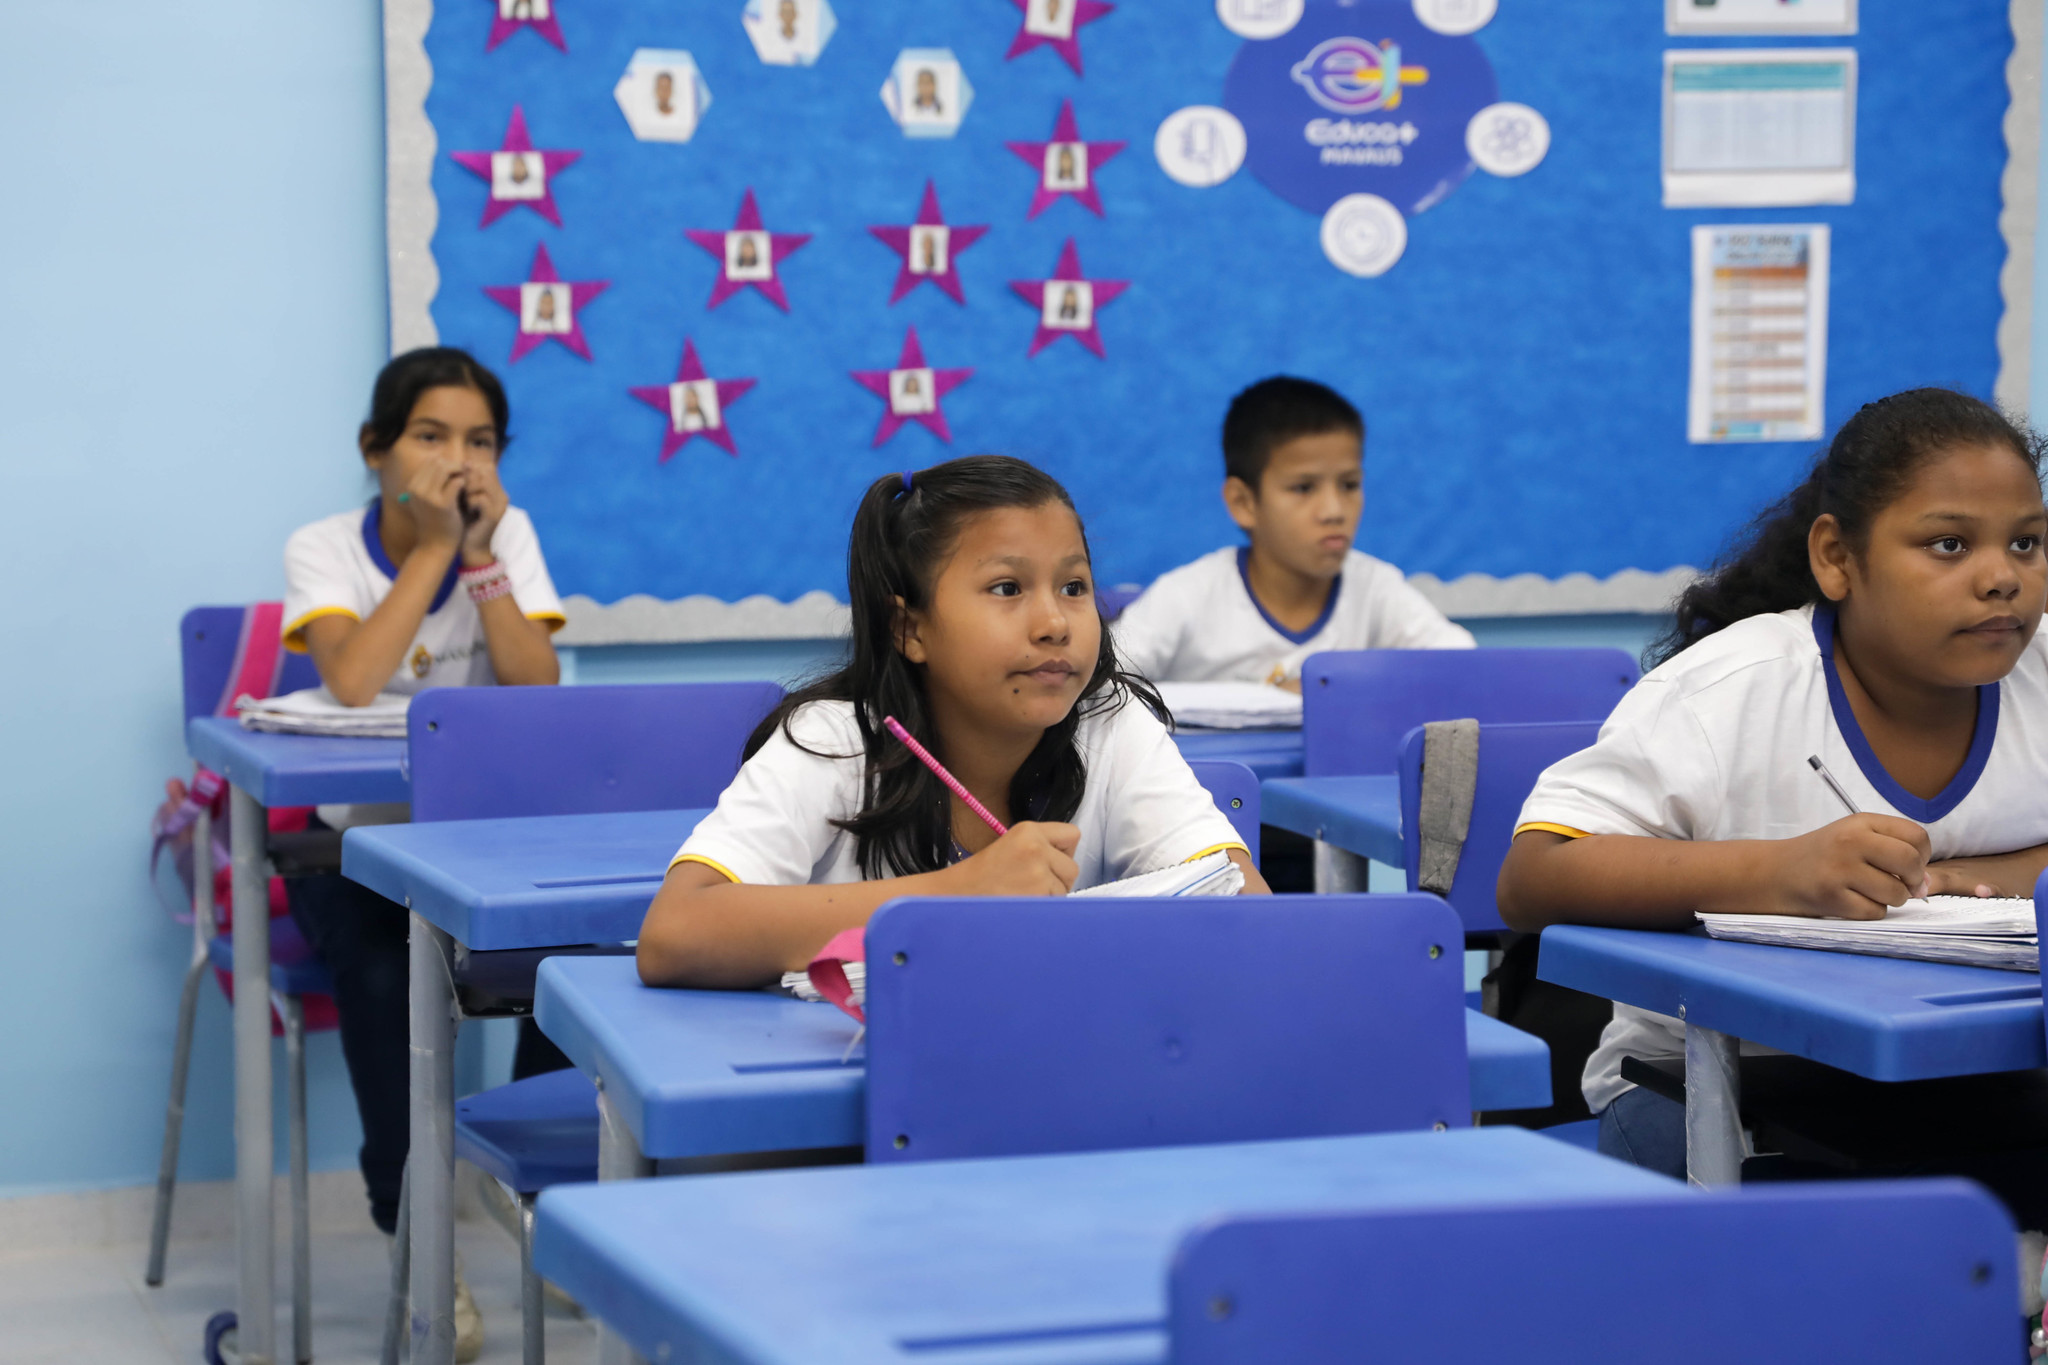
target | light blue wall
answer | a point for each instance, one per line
(191, 247)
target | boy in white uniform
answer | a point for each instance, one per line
(1294, 482)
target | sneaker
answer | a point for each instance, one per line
(469, 1324)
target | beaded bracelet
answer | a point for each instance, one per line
(485, 582)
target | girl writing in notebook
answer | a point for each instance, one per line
(1881, 617)
(975, 626)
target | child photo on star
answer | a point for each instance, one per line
(544, 309)
(523, 9)
(693, 405)
(748, 256)
(1069, 305)
(518, 175)
(1050, 19)
(911, 393)
(928, 250)
(1066, 166)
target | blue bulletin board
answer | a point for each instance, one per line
(1523, 366)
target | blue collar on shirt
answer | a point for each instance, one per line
(1903, 801)
(373, 518)
(1299, 637)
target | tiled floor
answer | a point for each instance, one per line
(90, 1307)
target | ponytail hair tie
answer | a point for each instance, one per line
(907, 489)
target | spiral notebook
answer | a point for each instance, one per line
(1971, 931)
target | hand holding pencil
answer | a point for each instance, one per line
(1029, 858)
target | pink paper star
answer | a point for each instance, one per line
(548, 307)
(512, 15)
(1066, 164)
(911, 391)
(928, 255)
(753, 252)
(1050, 15)
(523, 183)
(1069, 303)
(683, 404)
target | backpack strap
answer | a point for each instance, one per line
(1450, 779)
(259, 656)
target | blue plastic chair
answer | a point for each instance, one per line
(1003, 1027)
(1357, 704)
(209, 642)
(480, 753)
(1511, 757)
(1881, 1273)
(1236, 791)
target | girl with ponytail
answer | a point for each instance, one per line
(1881, 618)
(974, 625)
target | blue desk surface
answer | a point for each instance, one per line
(699, 1073)
(1361, 815)
(1268, 753)
(299, 770)
(532, 882)
(1028, 1259)
(1881, 1017)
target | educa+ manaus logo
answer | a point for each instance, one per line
(1350, 75)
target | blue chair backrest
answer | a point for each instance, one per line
(1356, 705)
(1879, 1272)
(1511, 757)
(208, 640)
(1236, 791)
(485, 752)
(1005, 1026)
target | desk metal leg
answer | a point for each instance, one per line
(1339, 871)
(618, 1158)
(430, 1163)
(1713, 1108)
(255, 1303)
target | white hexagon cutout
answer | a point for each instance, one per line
(662, 95)
(789, 32)
(927, 93)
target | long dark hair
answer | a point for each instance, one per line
(400, 384)
(905, 529)
(1866, 466)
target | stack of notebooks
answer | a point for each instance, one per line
(315, 712)
(1232, 706)
(1972, 931)
(1211, 875)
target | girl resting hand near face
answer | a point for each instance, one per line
(975, 625)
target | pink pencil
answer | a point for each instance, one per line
(924, 756)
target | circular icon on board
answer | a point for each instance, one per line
(1455, 17)
(1507, 138)
(1364, 235)
(1200, 145)
(1259, 18)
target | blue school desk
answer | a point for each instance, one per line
(1883, 1018)
(1050, 1259)
(1269, 753)
(1360, 815)
(706, 1073)
(263, 771)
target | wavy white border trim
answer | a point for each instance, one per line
(411, 214)
(2020, 187)
(410, 211)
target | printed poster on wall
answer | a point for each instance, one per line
(1759, 128)
(1759, 16)
(1759, 333)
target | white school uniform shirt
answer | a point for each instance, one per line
(337, 567)
(1202, 623)
(1142, 808)
(1712, 745)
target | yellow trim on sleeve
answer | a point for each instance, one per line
(1566, 830)
(720, 868)
(555, 621)
(292, 633)
(1213, 848)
